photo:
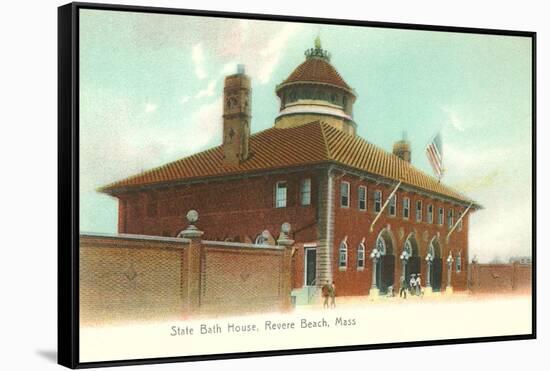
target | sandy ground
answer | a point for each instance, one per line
(354, 321)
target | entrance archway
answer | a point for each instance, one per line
(386, 263)
(437, 264)
(412, 265)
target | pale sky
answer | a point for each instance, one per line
(151, 87)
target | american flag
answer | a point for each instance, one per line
(434, 151)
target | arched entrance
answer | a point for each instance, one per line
(412, 264)
(386, 263)
(435, 270)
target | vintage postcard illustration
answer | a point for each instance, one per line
(261, 185)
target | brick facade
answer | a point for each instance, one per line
(233, 210)
(239, 209)
(355, 224)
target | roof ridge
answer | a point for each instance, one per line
(171, 163)
(323, 126)
(313, 142)
(308, 71)
(407, 166)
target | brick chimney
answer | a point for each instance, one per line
(236, 117)
(402, 149)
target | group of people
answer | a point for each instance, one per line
(414, 286)
(329, 291)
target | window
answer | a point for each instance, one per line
(440, 216)
(344, 194)
(418, 211)
(377, 201)
(458, 262)
(406, 206)
(361, 256)
(460, 222)
(362, 197)
(450, 218)
(280, 194)
(430, 214)
(343, 257)
(305, 192)
(393, 205)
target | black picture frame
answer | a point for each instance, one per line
(68, 182)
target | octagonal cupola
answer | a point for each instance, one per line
(316, 91)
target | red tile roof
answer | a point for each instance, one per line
(275, 148)
(317, 70)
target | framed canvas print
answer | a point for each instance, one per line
(239, 185)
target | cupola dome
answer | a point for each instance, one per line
(316, 91)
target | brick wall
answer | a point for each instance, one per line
(499, 278)
(131, 277)
(242, 279)
(127, 278)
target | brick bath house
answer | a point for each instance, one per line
(310, 169)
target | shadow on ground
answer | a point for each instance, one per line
(50, 355)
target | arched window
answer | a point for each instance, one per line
(361, 256)
(261, 239)
(434, 249)
(408, 247)
(343, 255)
(381, 245)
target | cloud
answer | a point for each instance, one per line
(209, 91)
(150, 107)
(228, 68)
(453, 119)
(207, 121)
(197, 55)
(273, 52)
(258, 45)
(498, 176)
(185, 99)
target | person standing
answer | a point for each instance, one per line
(403, 287)
(418, 285)
(412, 284)
(332, 293)
(325, 291)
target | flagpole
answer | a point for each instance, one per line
(458, 221)
(384, 206)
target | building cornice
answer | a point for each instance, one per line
(325, 165)
(283, 85)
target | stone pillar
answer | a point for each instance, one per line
(429, 260)
(375, 256)
(286, 285)
(449, 288)
(326, 228)
(404, 260)
(193, 262)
